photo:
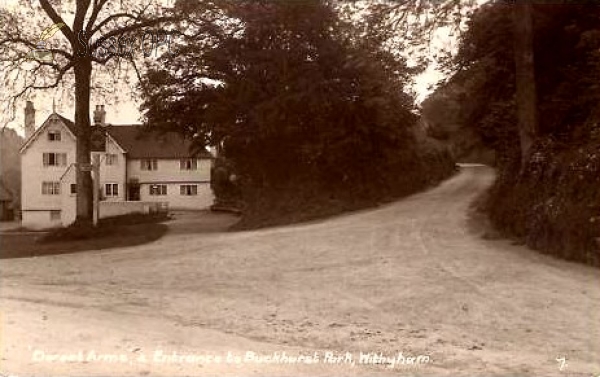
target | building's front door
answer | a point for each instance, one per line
(134, 192)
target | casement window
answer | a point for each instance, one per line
(54, 159)
(50, 188)
(149, 164)
(158, 190)
(111, 189)
(55, 215)
(54, 135)
(188, 164)
(188, 190)
(73, 188)
(112, 159)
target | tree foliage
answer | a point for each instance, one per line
(288, 90)
(76, 57)
(552, 200)
(566, 66)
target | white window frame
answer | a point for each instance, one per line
(50, 188)
(149, 164)
(157, 190)
(54, 135)
(54, 159)
(111, 190)
(188, 190)
(188, 164)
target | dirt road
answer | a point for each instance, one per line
(413, 277)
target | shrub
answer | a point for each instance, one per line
(106, 227)
(554, 206)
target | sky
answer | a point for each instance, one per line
(124, 110)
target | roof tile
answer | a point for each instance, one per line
(145, 142)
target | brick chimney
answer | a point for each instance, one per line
(99, 116)
(29, 119)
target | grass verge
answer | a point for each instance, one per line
(119, 231)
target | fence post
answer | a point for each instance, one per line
(96, 169)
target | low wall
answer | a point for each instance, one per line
(38, 220)
(110, 209)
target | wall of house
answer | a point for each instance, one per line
(202, 200)
(108, 174)
(110, 209)
(39, 220)
(169, 173)
(168, 170)
(34, 205)
(113, 173)
(107, 208)
(37, 207)
(68, 200)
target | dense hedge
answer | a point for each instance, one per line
(304, 199)
(554, 206)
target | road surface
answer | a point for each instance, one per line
(414, 277)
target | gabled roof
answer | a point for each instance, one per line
(143, 142)
(139, 141)
(68, 124)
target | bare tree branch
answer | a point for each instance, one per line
(80, 12)
(66, 30)
(139, 25)
(96, 7)
(111, 18)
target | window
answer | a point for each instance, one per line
(55, 159)
(112, 159)
(188, 190)
(158, 189)
(55, 215)
(188, 164)
(73, 188)
(54, 135)
(111, 189)
(50, 188)
(149, 164)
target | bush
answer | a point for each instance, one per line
(304, 199)
(554, 206)
(106, 227)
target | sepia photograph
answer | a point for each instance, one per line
(299, 188)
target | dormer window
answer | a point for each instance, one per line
(54, 135)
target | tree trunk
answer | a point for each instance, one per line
(83, 70)
(525, 78)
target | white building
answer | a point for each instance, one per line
(137, 168)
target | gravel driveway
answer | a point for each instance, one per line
(366, 293)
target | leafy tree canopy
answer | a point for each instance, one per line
(567, 62)
(288, 89)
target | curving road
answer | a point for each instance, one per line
(415, 277)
